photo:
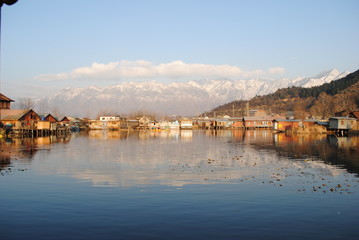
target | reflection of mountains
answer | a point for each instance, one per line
(24, 149)
(178, 158)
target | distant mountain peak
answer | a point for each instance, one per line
(181, 98)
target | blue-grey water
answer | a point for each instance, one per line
(180, 185)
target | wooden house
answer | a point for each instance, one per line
(283, 125)
(203, 123)
(48, 122)
(47, 117)
(144, 122)
(65, 120)
(108, 123)
(341, 123)
(258, 122)
(185, 124)
(237, 122)
(221, 123)
(5, 102)
(132, 123)
(19, 120)
(174, 124)
(104, 125)
(110, 118)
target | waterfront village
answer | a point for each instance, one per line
(28, 123)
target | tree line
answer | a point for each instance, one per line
(319, 101)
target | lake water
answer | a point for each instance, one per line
(180, 185)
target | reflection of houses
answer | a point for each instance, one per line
(107, 135)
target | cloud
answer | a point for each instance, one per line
(146, 70)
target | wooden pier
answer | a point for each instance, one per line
(26, 132)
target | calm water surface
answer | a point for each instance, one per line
(180, 185)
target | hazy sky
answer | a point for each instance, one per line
(47, 45)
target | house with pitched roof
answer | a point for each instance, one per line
(19, 118)
(5, 102)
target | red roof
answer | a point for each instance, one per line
(355, 114)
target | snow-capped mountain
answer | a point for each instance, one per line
(179, 98)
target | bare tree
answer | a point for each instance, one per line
(42, 106)
(25, 103)
(323, 106)
(345, 101)
(299, 110)
(55, 111)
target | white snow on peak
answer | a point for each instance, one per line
(182, 98)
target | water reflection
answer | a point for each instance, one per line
(178, 158)
(184, 135)
(341, 152)
(24, 149)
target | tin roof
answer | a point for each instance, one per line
(259, 118)
(342, 118)
(43, 116)
(287, 120)
(5, 99)
(13, 114)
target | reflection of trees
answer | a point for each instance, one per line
(342, 152)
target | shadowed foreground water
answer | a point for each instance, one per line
(179, 184)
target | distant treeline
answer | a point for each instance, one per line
(331, 88)
(286, 98)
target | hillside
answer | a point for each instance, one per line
(319, 101)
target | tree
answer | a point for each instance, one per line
(42, 106)
(25, 103)
(324, 106)
(342, 102)
(299, 109)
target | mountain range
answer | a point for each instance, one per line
(177, 98)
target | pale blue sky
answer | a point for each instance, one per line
(48, 45)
